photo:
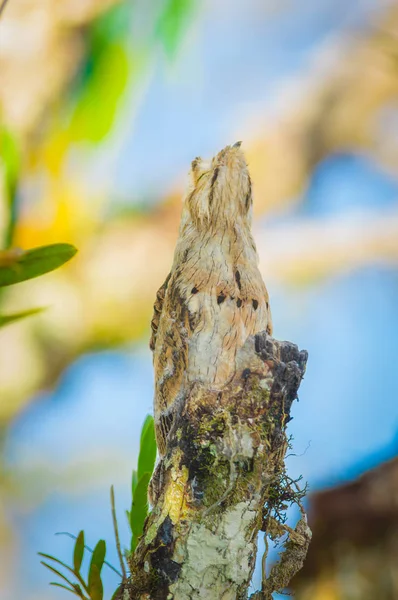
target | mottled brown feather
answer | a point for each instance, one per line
(157, 311)
(214, 297)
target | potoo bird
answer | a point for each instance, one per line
(214, 296)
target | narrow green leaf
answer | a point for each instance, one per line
(95, 586)
(139, 507)
(57, 572)
(148, 422)
(141, 492)
(49, 557)
(19, 265)
(134, 543)
(97, 560)
(147, 455)
(78, 592)
(67, 567)
(78, 552)
(74, 537)
(7, 319)
(117, 593)
(134, 481)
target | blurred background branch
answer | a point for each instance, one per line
(2, 6)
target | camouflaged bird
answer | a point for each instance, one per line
(214, 296)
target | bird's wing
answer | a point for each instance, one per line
(157, 311)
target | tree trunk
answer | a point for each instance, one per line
(223, 480)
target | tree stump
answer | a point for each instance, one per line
(222, 477)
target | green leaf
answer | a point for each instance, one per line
(57, 573)
(49, 557)
(147, 455)
(19, 265)
(148, 423)
(117, 592)
(139, 509)
(74, 537)
(171, 23)
(78, 552)
(76, 589)
(95, 586)
(67, 567)
(7, 319)
(97, 560)
(134, 481)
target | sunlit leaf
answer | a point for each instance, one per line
(78, 552)
(19, 265)
(172, 23)
(7, 319)
(95, 587)
(147, 455)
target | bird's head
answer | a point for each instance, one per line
(219, 192)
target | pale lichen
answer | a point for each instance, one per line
(207, 567)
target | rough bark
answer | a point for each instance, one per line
(218, 483)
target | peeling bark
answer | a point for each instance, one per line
(214, 488)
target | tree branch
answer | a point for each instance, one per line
(2, 6)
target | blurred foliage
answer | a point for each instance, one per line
(172, 23)
(75, 118)
(103, 77)
(17, 265)
(92, 589)
(7, 319)
(10, 159)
